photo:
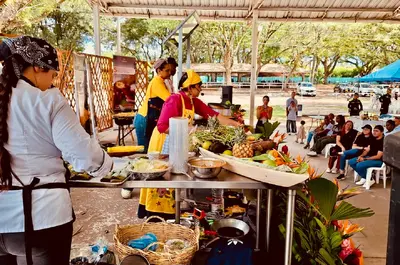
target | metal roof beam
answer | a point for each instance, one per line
(233, 19)
(244, 8)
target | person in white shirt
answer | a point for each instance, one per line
(38, 130)
(397, 126)
(319, 132)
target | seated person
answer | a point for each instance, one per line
(362, 141)
(397, 125)
(344, 141)
(390, 125)
(371, 157)
(319, 132)
(320, 144)
(332, 117)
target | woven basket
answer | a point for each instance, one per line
(164, 232)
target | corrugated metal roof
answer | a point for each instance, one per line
(269, 10)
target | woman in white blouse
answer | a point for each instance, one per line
(38, 130)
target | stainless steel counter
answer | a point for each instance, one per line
(225, 180)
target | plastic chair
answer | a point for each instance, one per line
(378, 171)
(327, 148)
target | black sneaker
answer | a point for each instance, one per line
(341, 177)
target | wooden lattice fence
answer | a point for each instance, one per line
(101, 82)
(142, 81)
(65, 78)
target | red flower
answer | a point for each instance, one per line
(357, 252)
(285, 149)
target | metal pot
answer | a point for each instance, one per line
(232, 223)
(206, 168)
(220, 109)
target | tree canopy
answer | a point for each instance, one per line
(318, 47)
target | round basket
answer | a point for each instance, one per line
(164, 232)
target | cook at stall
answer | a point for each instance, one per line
(38, 129)
(157, 92)
(183, 104)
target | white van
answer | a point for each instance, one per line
(306, 89)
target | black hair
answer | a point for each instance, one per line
(379, 127)
(266, 97)
(302, 122)
(183, 79)
(8, 80)
(356, 94)
(342, 120)
(391, 122)
(172, 61)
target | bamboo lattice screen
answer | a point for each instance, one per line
(100, 80)
(142, 81)
(65, 78)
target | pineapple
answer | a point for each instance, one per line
(242, 148)
(213, 123)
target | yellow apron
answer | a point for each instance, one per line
(162, 200)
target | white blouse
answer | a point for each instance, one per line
(43, 128)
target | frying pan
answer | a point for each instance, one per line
(233, 223)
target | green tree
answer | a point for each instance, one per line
(68, 26)
(374, 45)
(144, 38)
(229, 38)
(19, 13)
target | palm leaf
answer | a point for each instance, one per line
(304, 197)
(346, 211)
(325, 194)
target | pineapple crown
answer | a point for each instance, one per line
(240, 136)
(213, 123)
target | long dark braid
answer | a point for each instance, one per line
(8, 80)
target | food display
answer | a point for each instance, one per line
(148, 169)
(78, 175)
(117, 175)
(148, 166)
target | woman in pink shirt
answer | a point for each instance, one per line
(161, 202)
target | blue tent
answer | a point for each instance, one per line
(389, 73)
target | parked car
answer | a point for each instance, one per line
(364, 89)
(381, 89)
(306, 89)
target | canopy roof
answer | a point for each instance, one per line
(389, 73)
(269, 10)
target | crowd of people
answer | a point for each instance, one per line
(362, 149)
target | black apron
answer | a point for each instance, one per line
(153, 114)
(27, 204)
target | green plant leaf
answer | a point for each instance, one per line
(325, 194)
(326, 256)
(336, 240)
(304, 197)
(347, 211)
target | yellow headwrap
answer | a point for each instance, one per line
(193, 78)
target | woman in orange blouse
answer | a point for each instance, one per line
(264, 113)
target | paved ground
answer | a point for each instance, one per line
(98, 210)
